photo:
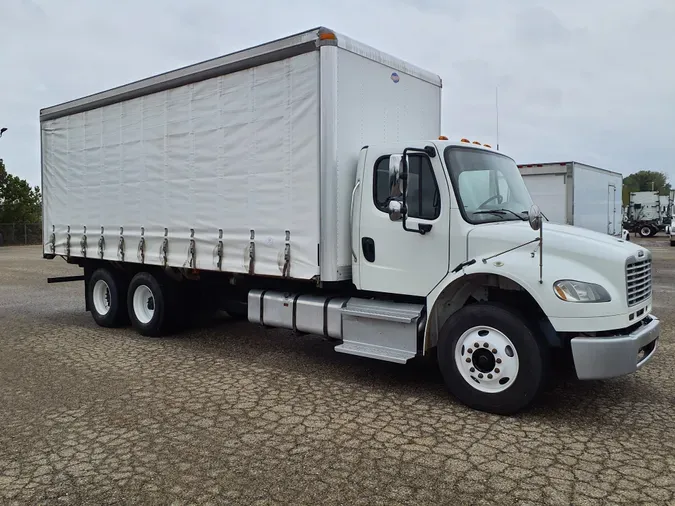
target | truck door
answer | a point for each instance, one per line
(390, 258)
(611, 210)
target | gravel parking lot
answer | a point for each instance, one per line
(238, 414)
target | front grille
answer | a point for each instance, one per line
(638, 281)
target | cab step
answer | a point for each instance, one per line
(377, 352)
(380, 329)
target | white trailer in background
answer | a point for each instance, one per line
(573, 193)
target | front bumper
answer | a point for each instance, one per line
(608, 357)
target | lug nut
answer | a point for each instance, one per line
(489, 376)
(486, 345)
(476, 345)
(499, 360)
(468, 359)
(470, 350)
(497, 370)
(480, 375)
(472, 370)
(494, 350)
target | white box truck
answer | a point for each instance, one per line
(303, 184)
(573, 193)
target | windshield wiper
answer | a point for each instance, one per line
(500, 212)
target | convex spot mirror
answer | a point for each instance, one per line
(534, 216)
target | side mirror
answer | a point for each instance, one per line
(534, 216)
(395, 205)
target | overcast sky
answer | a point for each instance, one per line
(590, 80)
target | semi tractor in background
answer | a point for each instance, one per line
(573, 193)
(648, 212)
(304, 184)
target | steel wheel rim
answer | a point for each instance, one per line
(487, 359)
(646, 231)
(101, 297)
(144, 304)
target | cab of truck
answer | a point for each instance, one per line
(453, 224)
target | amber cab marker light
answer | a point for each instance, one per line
(327, 36)
(465, 140)
(442, 138)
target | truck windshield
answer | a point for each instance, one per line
(488, 185)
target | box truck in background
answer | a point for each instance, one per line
(303, 184)
(573, 193)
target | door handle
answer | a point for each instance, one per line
(368, 247)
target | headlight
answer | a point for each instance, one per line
(577, 291)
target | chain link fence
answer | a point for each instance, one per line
(14, 234)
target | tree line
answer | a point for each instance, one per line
(19, 202)
(645, 180)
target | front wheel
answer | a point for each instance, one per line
(646, 231)
(490, 359)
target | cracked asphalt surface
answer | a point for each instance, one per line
(236, 414)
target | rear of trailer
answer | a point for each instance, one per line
(577, 194)
(241, 164)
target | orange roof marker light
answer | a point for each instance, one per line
(326, 35)
(478, 143)
(465, 140)
(442, 138)
(487, 146)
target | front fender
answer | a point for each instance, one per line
(522, 269)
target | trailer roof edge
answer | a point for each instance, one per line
(261, 54)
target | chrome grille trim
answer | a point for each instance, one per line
(638, 279)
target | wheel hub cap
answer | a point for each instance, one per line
(483, 360)
(487, 359)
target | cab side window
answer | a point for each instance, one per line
(423, 198)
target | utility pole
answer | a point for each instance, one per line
(497, 110)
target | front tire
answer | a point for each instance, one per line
(646, 231)
(505, 372)
(148, 305)
(107, 299)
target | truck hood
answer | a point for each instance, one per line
(564, 240)
(569, 252)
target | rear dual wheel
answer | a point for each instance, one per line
(106, 298)
(152, 307)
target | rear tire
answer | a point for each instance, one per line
(503, 377)
(107, 299)
(149, 305)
